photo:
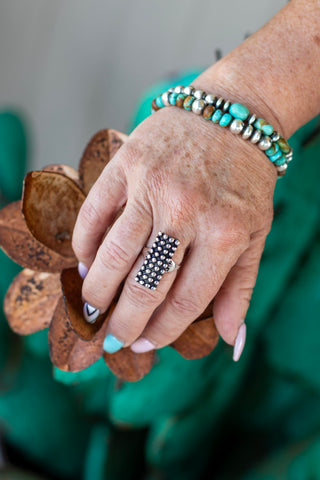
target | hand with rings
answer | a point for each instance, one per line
(194, 196)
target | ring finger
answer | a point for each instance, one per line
(138, 300)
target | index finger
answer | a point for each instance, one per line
(98, 211)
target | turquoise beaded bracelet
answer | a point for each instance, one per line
(233, 115)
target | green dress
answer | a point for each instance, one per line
(186, 420)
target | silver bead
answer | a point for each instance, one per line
(178, 89)
(256, 136)
(290, 152)
(198, 94)
(275, 136)
(247, 132)
(171, 90)
(265, 143)
(252, 119)
(226, 106)
(188, 90)
(282, 168)
(219, 102)
(210, 99)
(165, 98)
(198, 106)
(289, 157)
(236, 126)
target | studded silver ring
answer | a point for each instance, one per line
(157, 261)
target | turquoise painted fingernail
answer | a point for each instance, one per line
(111, 344)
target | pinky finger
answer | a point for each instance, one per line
(232, 301)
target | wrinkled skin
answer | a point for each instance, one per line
(195, 181)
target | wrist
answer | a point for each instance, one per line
(224, 80)
(275, 71)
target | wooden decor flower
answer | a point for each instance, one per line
(37, 233)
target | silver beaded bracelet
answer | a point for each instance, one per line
(235, 116)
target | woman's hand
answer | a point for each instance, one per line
(182, 175)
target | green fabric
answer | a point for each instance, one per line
(180, 420)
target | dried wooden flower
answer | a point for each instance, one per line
(37, 233)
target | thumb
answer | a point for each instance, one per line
(232, 301)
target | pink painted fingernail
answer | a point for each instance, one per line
(240, 342)
(83, 270)
(142, 345)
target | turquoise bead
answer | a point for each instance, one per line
(272, 150)
(276, 156)
(280, 160)
(187, 104)
(159, 101)
(173, 98)
(180, 99)
(111, 344)
(258, 123)
(216, 116)
(267, 129)
(225, 120)
(239, 111)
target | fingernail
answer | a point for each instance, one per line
(90, 313)
(142, 345)
(111, 344)
(83, 270)
(240, 342)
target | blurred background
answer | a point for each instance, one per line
(73, 67)
(68, 69)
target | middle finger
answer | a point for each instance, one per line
(137, 302)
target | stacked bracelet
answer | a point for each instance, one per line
(233, 115)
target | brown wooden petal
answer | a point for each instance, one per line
(129, 366)
(71, 283)
(198, 340)
(51, 202)
(31, 300)
(20, 245)
(64, 170)
(101, 148)
(67, 351)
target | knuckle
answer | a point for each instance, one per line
(263, 218)
(185, 306)
(231, 237)
(160, 335)
(89, 216)
(183, 206)
(93, 296)
(141, 297)
(246, 294)
(81, 250)
(113, 257)
(131, 152)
